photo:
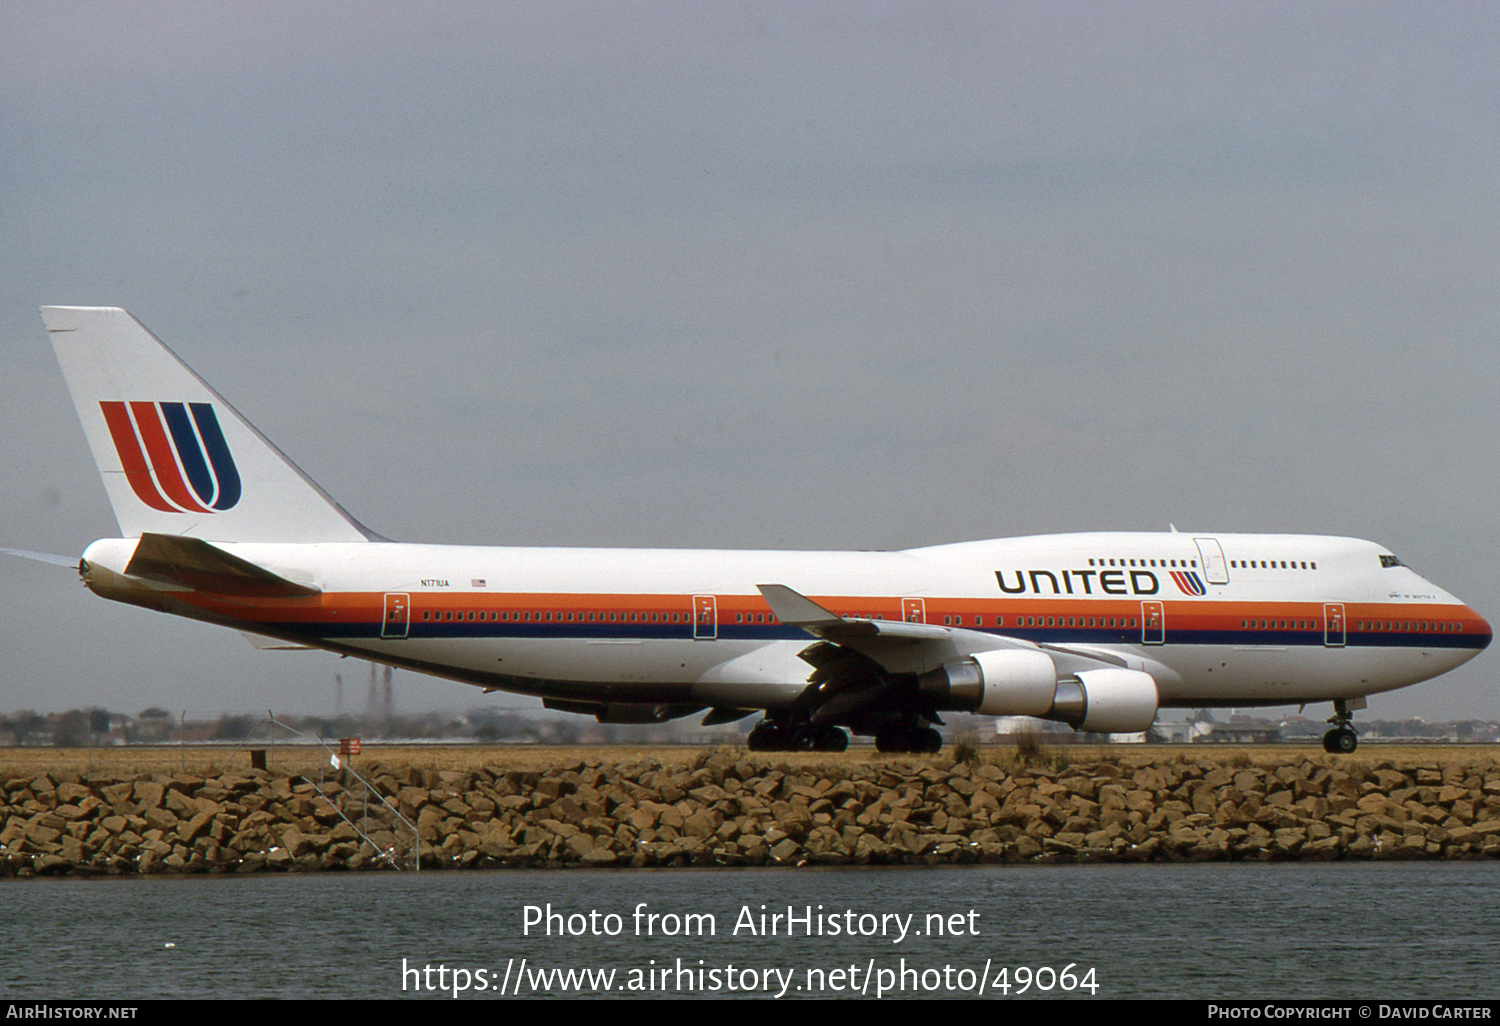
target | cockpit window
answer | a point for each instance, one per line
(1390, 561)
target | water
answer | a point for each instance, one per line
(1365, 931)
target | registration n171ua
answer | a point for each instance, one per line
(1098, 631)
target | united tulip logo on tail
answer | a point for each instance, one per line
(174, 455)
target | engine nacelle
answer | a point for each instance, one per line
(1005, 682)
(1107, 701)
(1023, 682)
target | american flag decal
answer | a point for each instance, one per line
(1188, 582)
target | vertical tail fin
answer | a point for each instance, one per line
(175, 457)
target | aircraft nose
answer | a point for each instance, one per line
(1481, 628)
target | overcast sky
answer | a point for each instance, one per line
(759, 275)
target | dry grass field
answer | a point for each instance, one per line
(312, 761)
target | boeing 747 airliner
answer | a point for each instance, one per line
(1098, 631)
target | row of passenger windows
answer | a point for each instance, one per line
(1373, 625)
(1050, 621)
(547, 616)
(1437, 626)
(1192, 564)
(1271, 564)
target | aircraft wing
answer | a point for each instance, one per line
(886, 641)
(858, 663)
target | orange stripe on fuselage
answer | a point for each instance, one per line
(1189, 615)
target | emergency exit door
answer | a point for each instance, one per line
(705, 618)
(397, 615)
(1153, 624)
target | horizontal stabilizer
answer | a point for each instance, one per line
(266, 644)
(191, 563)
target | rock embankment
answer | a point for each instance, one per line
(728, 809)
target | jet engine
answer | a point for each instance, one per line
(1006, 682)
(1107, 701)
(1023, 682)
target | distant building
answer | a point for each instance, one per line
(1254, 733)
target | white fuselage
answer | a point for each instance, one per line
(1214, 619)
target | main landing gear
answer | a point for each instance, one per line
(771, 735)
(788, 735)
(1341, 740)
(908, 736)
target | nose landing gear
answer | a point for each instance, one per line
(1341, 740)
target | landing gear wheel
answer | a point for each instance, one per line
(896, 738)
(765, 737)
(831, 739)
(893, 739)
(1340, 741)
(771, 736)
